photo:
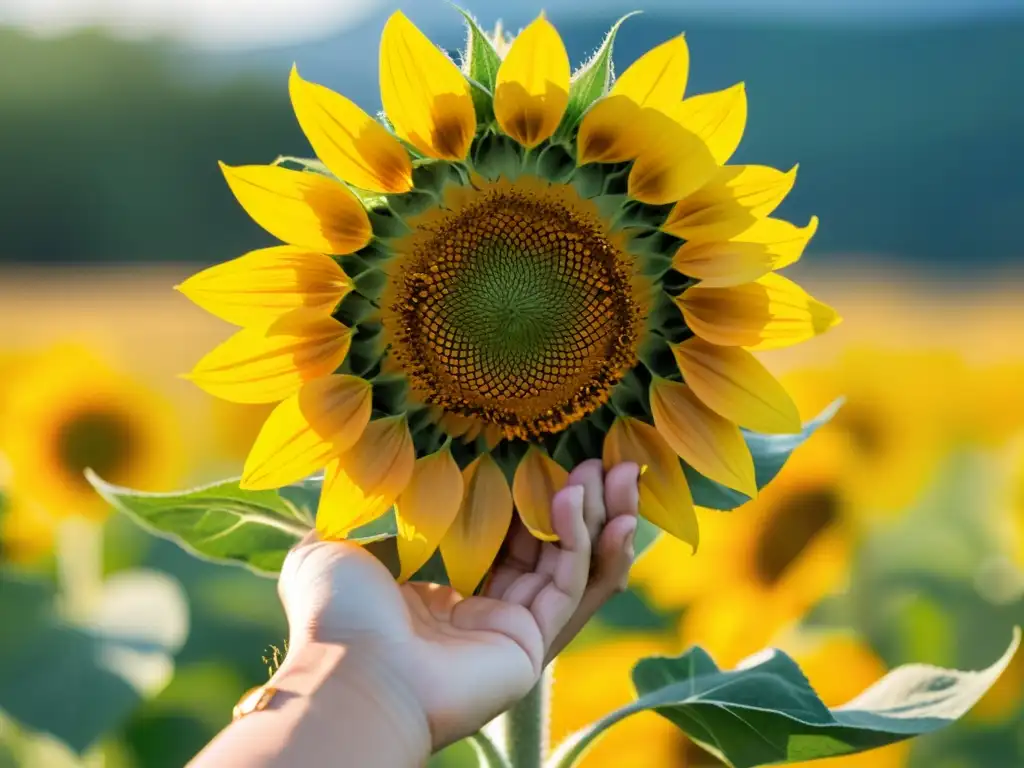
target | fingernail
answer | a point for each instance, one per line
(627, 540)
(575, 494)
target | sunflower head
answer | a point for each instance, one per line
(517, 268)
(66, 412)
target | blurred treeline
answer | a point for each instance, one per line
(909, 136)
(109, 153)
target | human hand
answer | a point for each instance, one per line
(463, 660)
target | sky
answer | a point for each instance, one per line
(255, 23)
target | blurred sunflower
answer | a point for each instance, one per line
(838, 667)
(580, 697)
(993, 402)
(793, 548)
(896, 423)
(235, 427)
(536, 269)
(67, 411)
(27, 530)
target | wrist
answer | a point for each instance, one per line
(357, 697)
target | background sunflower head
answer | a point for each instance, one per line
(67, 411)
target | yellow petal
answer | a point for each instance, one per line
(664, 494)
(731, 382)
(673, 162)
(425, 96)
(532, 87)
(473, 540)
(658, 78)
(363, 483)
(766, 245)
(263, 285)
(266, 364)
(609, 132)
(718, 118)
(769, 313)
(322, 420)
(300, 208)
(706, 441)
(737, 197)
(426, 509)
(538, 478)
(353, 145)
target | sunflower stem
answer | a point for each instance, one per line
(526, 727)
(79, 547)
(487, 751)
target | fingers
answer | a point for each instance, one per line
(567, 564)
(590, 474)
(622, 490)
(518, 557)
(613, 552)
(611, 575)
(489, 615)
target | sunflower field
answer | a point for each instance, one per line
(548, 247)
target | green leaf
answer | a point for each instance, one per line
(219, 522)
(590, 82)
(78, 682)
(766, 713)
(770, 453)
(480, 64)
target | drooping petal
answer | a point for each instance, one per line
(665, 497)
(736, 198)
(426, 509)
(672, 163)
(731, 382)
(263, 285)
(300, 208)
(766, 245)
(768, 313)
(425, 96)
(532, 87)
(363, 483)
(706, 441)
(658, 78)
(321, 421)
(353, 145)
(473, 540)
(267, 364)
(717, 118)
(538, 478)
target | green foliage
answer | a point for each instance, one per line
(770, 453)
(219, 521)
(480, 63)
(79, 681)
(590, 82)
(766, 713)
(224, 523)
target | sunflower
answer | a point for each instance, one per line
(794, 548)
(898, 422)
(66, 411)
(513, 271)
(27, 531)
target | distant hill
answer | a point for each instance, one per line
(910, 138)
